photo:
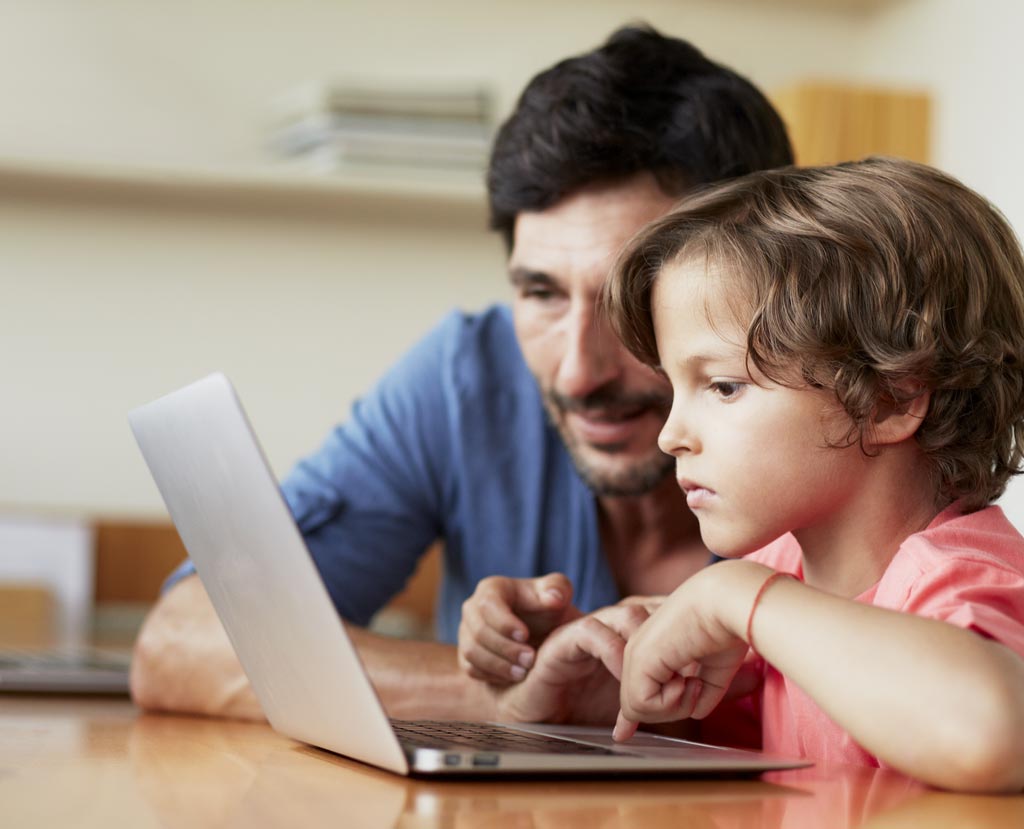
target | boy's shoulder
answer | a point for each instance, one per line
(952, 543)
(984, 538)
(967, 569)
(955, 547)
(783, 554)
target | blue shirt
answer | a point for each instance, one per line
(453, 442)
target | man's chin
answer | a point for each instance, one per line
(614, 462)
(615, 475)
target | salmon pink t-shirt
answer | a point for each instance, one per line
(967, 570)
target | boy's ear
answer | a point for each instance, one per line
(894, 422)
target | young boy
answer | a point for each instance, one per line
(846, 352)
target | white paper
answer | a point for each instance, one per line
(56, 554)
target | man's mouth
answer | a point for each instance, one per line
(610, 415)
(603, 427)
(607, 419)
(612, 424)
(612, 421)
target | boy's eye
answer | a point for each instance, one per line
(726, 389)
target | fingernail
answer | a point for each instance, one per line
(519, 635)
(553, 594)
(526, 659)
(624, 729)
(518, 672)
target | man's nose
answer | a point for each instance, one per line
(592, 354)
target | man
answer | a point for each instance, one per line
(525, 440)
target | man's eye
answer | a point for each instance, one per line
(540, 294)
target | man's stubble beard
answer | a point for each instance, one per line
(640, 478)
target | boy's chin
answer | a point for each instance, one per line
(727, 545)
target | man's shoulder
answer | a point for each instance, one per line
(482, 351)
(492, 322)
(460, 352)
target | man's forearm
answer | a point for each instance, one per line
(421, 680)
(184, 662)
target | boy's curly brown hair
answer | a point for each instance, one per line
(876, 279)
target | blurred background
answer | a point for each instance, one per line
(291, 192)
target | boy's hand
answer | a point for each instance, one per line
(506, 619)
(576, 676)
(680, 663)
(648, 603)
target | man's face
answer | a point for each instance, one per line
(607, 406)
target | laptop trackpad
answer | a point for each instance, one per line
(651, 745)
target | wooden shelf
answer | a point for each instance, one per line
(266, 188)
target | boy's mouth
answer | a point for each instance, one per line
(697, 496)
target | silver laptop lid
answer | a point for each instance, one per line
(226, 504)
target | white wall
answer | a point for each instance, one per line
(191, 81)
(116, 305)
(107, 305)
(968, 54)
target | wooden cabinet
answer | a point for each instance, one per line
(829, 122)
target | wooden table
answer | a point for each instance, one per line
(99, 762)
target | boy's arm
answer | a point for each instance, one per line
(932, 700)
(928, 698)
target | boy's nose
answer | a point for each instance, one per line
(676, 437)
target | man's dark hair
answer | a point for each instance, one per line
(642, 101)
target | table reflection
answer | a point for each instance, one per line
(244, 774)
(72, 762)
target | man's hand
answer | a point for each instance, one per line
(576, 675)
(682, 661)
(506, 619)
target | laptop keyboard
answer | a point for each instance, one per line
(477, 736)
(61, 658)
(64, 670)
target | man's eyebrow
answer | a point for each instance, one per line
(519, 276)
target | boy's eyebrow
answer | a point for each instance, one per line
(724, 355)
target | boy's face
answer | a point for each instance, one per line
(752, 456)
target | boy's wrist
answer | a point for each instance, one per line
(732, 597)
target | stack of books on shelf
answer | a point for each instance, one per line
(343, 127)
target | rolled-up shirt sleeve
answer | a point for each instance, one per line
(372, 498)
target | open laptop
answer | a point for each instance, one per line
(304, 669)
(47, 613)
(71, 670)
